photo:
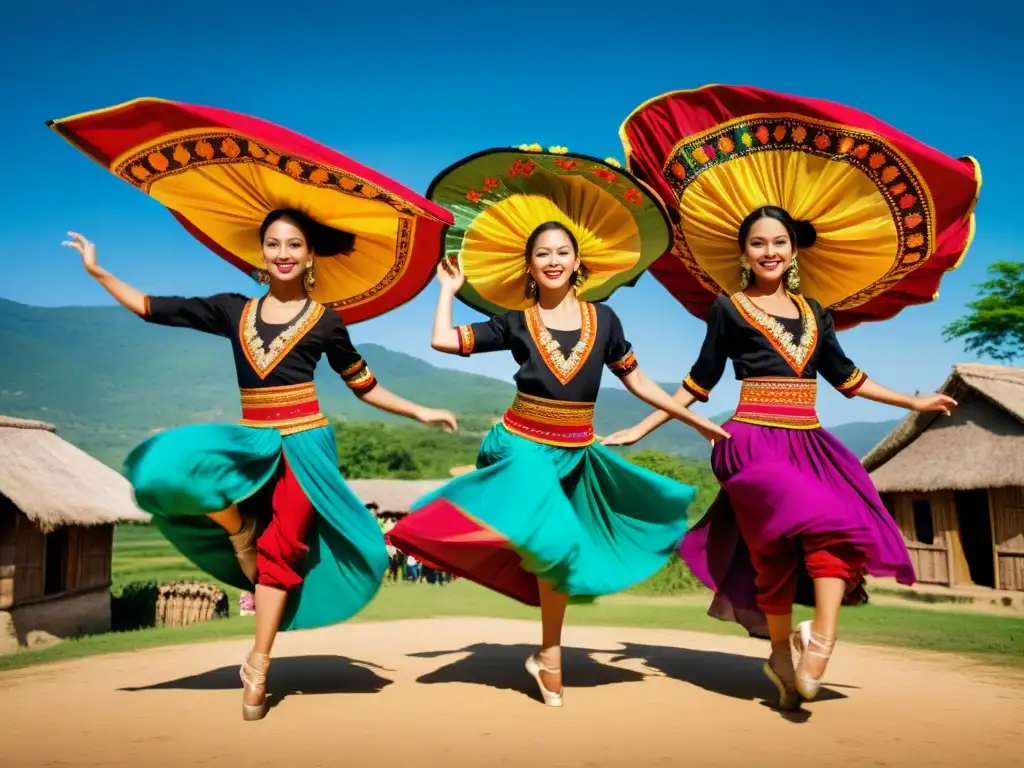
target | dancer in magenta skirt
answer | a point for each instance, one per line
(795, 503)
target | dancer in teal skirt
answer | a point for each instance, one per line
(262, 501)
(549, 514)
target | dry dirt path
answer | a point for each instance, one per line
(453, 693)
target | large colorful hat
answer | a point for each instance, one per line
(891, 215)
(220, 173)
(499, 196)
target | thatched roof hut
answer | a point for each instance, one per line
(391, 497)
(955, 485)
(55, 484)
(980, 446)
(58, 507)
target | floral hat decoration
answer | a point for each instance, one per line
(499, 196)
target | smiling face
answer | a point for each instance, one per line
(286, 251)
(769, 250)
(554, 260)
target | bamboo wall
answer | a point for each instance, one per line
(1007, 505)
(931, 561)
(943, 562)
(86, 562)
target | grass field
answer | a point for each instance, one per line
(140, 553)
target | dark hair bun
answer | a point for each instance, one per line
(805, 234)
(327, 241)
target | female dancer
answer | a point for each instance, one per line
(800, 499)
(262, 502)
(549, 514)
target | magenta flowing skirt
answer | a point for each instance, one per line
(787, 483)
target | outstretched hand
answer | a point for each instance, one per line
(86, 250)
(934, 404)
(438, 417)
(623, 437)
(450, 275)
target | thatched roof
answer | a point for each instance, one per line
(980, 446)
(392, 495)
(55, 484)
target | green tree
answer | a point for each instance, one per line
(994, 326)
(368, 450)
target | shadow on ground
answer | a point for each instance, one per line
(288, 676)
(726, 674)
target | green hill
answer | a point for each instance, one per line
(107, 380)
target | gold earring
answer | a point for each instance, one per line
(793, 276)
(309, 277)
(579, 279)
(746, 273)
(262, 277)
(531, 287)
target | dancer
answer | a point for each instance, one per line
(878, 219)
(262, 502)
(800, 500)
(549, 514)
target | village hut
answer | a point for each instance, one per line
(58, 508)
(955, 485)
(391, 500)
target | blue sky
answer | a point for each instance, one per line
(409, 88)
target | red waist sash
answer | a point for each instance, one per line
(552, 422)
(788, 403)
(289, 409)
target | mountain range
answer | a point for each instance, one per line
(107, 380)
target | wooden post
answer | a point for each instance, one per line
(992, 533)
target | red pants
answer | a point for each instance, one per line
(281, 548)
(778, 569)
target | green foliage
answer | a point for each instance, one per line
(133, 606)
(994, 327)
(684, 471)
(675, 578)
(373, 449)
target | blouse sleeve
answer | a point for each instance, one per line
(347, 362)
(713, 356)
(214, 314)
(490, 336)
(834, 366)
(619, 355)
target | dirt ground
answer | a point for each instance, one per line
(453, 692)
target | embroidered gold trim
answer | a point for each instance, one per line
(467, 339)
(264, 359)
(564, 368)
(624, 365)
(797, 355)
(288, 426)
(695, 389)
(853, 383)
(287, 394)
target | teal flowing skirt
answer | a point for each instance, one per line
(586, 521)
(181, 475)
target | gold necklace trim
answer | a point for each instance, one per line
(265, 358)
(796, 355)
(564, 368)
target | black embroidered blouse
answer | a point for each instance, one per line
(268, 354)
(553, 364)
(762, 345)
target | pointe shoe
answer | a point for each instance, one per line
(254, 678)
(534, 667)
(802, 639)
(244, 544)
(779, 669)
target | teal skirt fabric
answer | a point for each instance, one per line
(181, 475)
(586, 521)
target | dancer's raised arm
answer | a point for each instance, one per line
(445, 336)
(126, 295)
